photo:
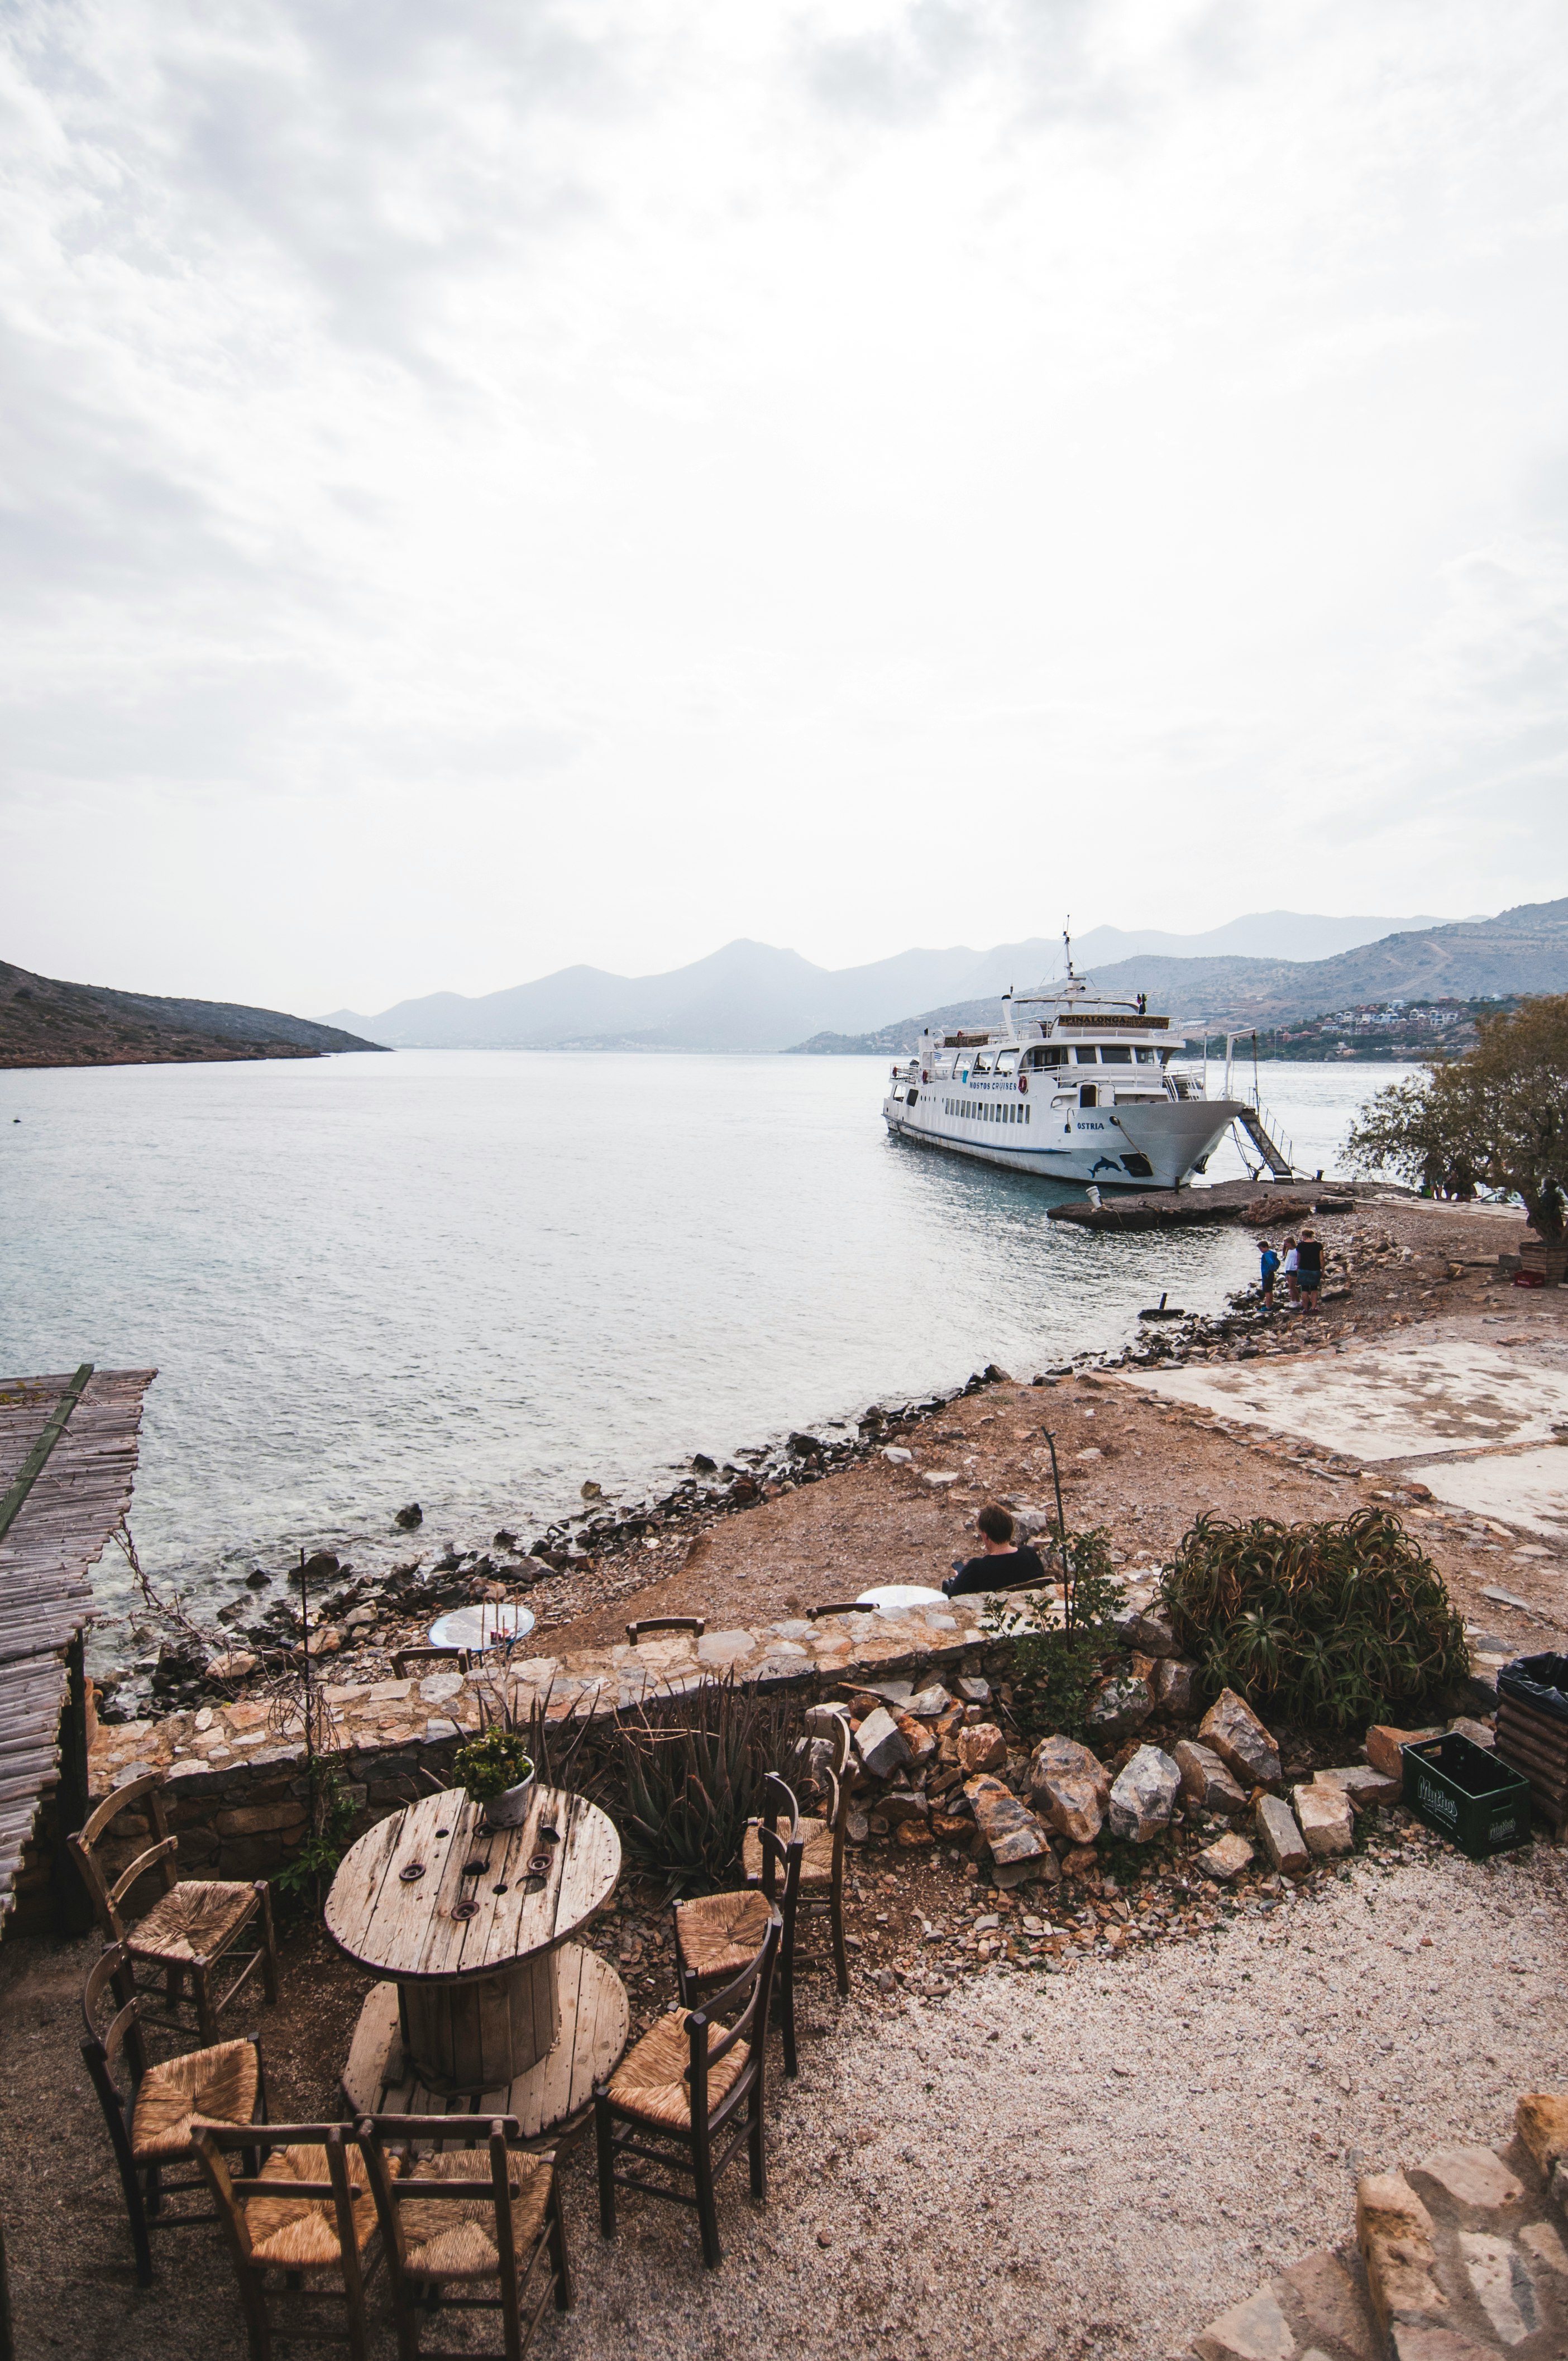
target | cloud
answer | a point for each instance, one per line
(706, 472)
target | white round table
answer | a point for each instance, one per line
(481, 1627)
(889, 1596)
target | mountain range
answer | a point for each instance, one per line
(1521, 950)
(753, 995)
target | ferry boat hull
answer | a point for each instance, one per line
(1145, 1146)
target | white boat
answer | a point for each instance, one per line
(1074, 1087)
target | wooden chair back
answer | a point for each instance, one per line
(695, 1624)
(345, 2184)
(780, 1854)
(496, 2142)
(419, 1659)
(104, 2045)
(160, 1855)
(744, 2004)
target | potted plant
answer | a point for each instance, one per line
(498, 1772)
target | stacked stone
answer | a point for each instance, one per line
(1461, 2257)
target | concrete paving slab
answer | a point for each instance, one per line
(1390, 1400)
(1525, 1488)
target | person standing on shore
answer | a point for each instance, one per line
(1268, 1263)
(1291, 1268)
(1310, 1270)
(1003, 1566)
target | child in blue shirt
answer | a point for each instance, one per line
(1270, 1262)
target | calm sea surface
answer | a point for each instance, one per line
(474, 1278)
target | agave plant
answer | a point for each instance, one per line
(691, 1770)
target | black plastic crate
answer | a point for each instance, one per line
(1464, 1792)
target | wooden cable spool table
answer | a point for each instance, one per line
(489, 1999)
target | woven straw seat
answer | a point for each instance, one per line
(718, 1934)
(215, 2085)
(650, 2081)
(299, 2233)
(815, 1858)
(193, 1921)
(454, 2238)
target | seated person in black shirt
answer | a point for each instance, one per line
(1003, 1565)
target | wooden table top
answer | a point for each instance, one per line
(405, 1928)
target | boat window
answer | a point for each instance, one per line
(982, 1064)
(1038, 1058)
(1085, 1054)
(1087, 1096)
(1115, 1057)
(1148, 1057)
(1007, 1061)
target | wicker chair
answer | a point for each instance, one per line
(150, 2109)
(193, 1925)
(819, 1910)
(297, 2230)
(716, 1934)
(689, 2088)
(455, 2217)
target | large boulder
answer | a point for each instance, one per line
(1226, 1857)
(1145, 1795)
(1205, 1780)
(881, 1744)
(1176, 1687)
(1120, 1706)
(1324, 1816)
(1281, 1837)
(1147, 1629)
(920, 1741)
(1010, 1829)
(1070, 1786)
(1234, 1733)
(980, 1747)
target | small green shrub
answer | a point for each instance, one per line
(1332, 1623)
(487, 1765)
(1057, 1667)
(333, 1812)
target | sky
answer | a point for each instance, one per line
(518, 482)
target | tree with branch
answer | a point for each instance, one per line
(1495, 1119)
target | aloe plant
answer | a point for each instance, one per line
(1331, 1622)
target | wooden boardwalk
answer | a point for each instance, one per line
(67, 1456)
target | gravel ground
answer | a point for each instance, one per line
(1099, 2162)
(1089, 2162)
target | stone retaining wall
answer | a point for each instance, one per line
(237, 1794)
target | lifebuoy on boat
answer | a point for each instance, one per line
(1022, 1081)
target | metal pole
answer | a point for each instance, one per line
(1061, 1534)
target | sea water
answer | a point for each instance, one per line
(478, 1277)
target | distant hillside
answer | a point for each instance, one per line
(1523, 950)
(45, 1023)
(755, 996)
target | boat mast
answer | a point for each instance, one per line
(1075, 985)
